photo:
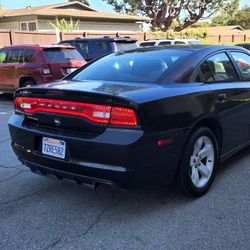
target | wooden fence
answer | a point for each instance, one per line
(213, 39)
(8, 37)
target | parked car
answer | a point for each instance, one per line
(94, 47)
(140, 118)
(244, 45)
(26, 65)
(164, 42)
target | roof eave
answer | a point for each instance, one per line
(72, 3)
(135, 19)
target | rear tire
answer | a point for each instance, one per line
(198, 164)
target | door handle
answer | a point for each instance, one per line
(222, 97)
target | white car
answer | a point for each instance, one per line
(164, 42)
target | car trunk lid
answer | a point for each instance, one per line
(75, 111)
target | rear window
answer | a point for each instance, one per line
(136, 66)
(62, 55)
(83, 47)
(101, 47)
(147, 44)
(125, 46)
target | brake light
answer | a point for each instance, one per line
(123, 117)
(102, 114)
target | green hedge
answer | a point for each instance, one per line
(200, 34)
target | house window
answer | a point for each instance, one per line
(24, 26)
(32, 26)
(28, 26)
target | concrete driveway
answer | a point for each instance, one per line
(41, 213)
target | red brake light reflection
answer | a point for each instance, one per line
(102, 114)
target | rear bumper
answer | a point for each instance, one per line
(118, 157)
(90, 182)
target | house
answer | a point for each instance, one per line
(223, 30)
(224, 34)
(39, 18)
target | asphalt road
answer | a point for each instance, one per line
(41, 213)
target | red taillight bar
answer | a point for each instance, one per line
(103, 114)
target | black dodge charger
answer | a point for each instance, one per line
(141, 118)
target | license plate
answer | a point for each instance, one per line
(53, 147)
(70, 70)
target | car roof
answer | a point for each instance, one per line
(168, 39)
(105, 38)
(242, 44)
(182, 39)
(198, 47)
(46, 46)
(157, 40)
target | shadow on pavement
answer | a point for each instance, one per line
(6, 97)
(233, 161)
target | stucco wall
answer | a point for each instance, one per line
(97, 26)
(14, 22)
(9, 25)
(43, 25)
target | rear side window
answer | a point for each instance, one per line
(194, 42)
(179, 42)
(218, 68)
(14, 55)
(147, 44)
(206, 72)
(165, 43)
(26, 55)
(134, 66)
(62, 54)
(3, 56)
(243, 61)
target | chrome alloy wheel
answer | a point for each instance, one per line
(202, 161)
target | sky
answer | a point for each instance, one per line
(97, 4)
(15, 4)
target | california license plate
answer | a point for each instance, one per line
(53, 147)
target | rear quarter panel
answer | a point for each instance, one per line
(176, 106)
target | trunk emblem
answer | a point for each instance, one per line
(57, 121)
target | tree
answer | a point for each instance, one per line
(164, 12)
(232, 15)
(228, 14)
(242, 18)
(86, 2)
